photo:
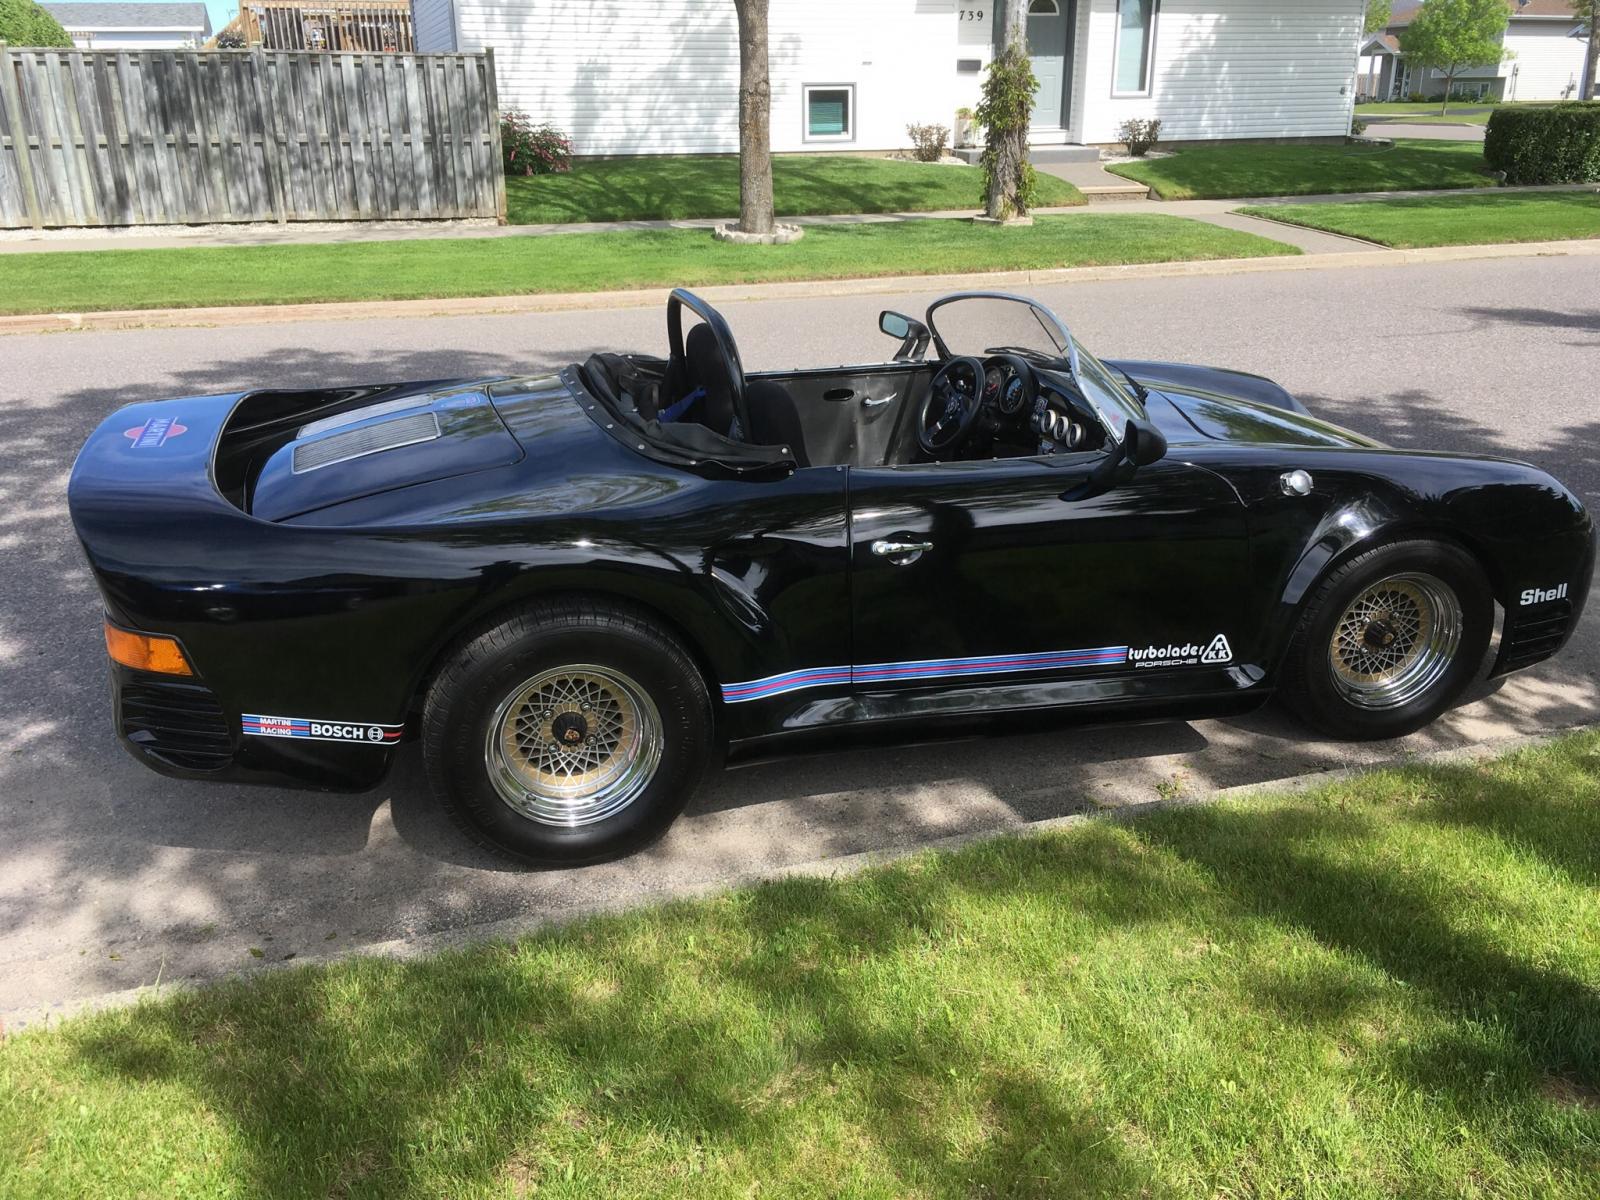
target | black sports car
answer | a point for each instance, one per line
(578, 589)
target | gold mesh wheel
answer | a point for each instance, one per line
(574, 745)
(1395, 640)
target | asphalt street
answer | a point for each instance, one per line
(111, 876)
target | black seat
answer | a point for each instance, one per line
(774, 417)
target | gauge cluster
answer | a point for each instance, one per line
(1020, 408)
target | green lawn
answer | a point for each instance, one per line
(1223, 171)
(81, 282)
(1390, 987)
(1461, 112)
(1451, 220)
(642, 189)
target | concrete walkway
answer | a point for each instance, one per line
(1213, 212)
(1439, 132)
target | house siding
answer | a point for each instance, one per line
(1228, 69)
(433, 24)
(661, 76)
(1548, 64)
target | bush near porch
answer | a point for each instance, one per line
(678, 187)
(1227, 170)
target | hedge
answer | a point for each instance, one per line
(24, 23)
(1559, 143)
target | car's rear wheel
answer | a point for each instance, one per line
(569, 733)
(1389, 640)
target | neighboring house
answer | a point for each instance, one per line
(133, 26)
(661, 76)
(1544, 41)
(383, 26)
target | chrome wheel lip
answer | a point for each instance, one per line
(1438, 633)
(519, 783)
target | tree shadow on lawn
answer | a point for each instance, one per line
(811, 1022)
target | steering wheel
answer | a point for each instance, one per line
(950, 407)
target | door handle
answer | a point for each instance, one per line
(868, 402)
(900, 553)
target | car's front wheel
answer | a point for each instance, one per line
(569, 733)
(1389, 640)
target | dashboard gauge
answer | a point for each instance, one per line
(1012, 399)
(991, 383)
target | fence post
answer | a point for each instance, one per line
(19, 138)
(498, 163)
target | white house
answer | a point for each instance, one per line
(661, 76)
(1544, 58)
(133, 26)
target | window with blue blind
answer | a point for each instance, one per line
(1135, 47)
(830, 112)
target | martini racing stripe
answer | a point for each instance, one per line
(930, 668)
(369, 733)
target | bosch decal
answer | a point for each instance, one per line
(1182, 654)
(1541, 595)
(154, 432)
(366, 732)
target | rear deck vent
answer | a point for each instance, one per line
(369, 439)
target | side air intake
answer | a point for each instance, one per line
(369, 439)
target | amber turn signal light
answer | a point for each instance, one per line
(146, 652)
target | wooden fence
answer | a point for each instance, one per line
(108, 137)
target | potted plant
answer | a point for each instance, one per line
(966, 127)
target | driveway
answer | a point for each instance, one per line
(1381, 127)
(111, 877)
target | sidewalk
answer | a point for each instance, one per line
(1214, 212)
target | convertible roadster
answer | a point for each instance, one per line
(580, 589)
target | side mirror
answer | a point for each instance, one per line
(896, 325)
(1143, 443)
(912, 333)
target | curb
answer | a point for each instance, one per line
(465, 306)
(407, 949)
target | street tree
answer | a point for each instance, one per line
(1454, 36)
(1589, 12)
(1005, 111)
(1378, 14)
(755, 120)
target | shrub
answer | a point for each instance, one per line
(1005, 112)
(1555, 144)
(1416, 98)
(24, 23)
(1357, 126)
(531, 149)
(1140, 136)
(928, 141)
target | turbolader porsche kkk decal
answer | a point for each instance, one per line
(574, 590)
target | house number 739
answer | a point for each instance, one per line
(972, 14)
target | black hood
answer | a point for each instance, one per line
(1192, 404)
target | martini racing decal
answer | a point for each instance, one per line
(154, 432)
(1212, 653)
(365, 732)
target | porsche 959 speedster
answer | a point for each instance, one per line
(580, 589)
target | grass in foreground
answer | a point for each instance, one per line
(584, 262)
(1390, 987)
(1451, 220)
(679, 187)
(1223, 171)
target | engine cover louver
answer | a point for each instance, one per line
(369, 439)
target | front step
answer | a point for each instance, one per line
(1038, 154)
(1103, 192)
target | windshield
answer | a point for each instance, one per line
(983, 323)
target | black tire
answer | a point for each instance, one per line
(649, 669)
(1321, 695)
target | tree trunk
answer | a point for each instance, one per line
(1592, 59)
(1444, 102)
(1010, 151)
(755, 120)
